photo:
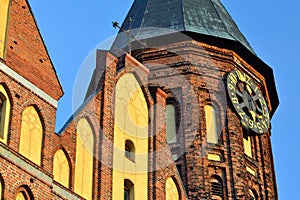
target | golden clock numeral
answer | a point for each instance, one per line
(248, 80)
(255, 89)
(242, 114)
(259, 127)
(265, 111)
(251, 123)
(241, 75)
(235, 100)
(231, 87)
(233, 78)
(264, 123)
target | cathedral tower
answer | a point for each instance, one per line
(220, 96)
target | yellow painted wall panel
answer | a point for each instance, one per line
(83, 183)
(211, 124)
(131, 123)
(20, 196)
(5, 115)
(247, 146)
(4, 7)
(214, 157)
(171, 190)
(31, 135)
(61, 168)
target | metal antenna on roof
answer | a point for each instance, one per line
(128, 33)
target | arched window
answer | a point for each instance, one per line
(4, 114)
(24, 194)
(129, 150)
(31, 135)
(247, 143)
(61, 168)
(216, 188)
(128, 190)
(252, 195)
(171, 123)
(83, 183)
(211, 124)
(171, 190)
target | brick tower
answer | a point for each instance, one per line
(222, 94)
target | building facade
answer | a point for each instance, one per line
(179, 108)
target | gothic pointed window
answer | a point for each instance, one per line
(4, 114)
(211, 124)
(61, 168)
(24, 194)
(31, 135)
(83, 181)
(216, 188)
(128, 190)
(171, 123)
(2, 101)
(171, 190)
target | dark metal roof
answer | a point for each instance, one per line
(159, 17)
(203, 20)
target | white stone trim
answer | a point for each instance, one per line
(64, 193)
(24, 165)
(28, 84)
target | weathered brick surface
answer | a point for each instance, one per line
(26, 52)
(205, 68)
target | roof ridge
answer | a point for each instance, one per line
(232, 21)
(221, 19)
(140, 28)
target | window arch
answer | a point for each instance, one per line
(211, 124)
(128, 190)
(31, 135)
(61, 168)
(4, 114)
(252, 194)
(216, 188)
(171, 123)
(83, 183)
(171, 190)
(24, 194)
(129, 150)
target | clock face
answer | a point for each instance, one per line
(248, 101)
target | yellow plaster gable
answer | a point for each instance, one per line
(131, 123)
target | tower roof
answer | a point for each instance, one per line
(159, 17)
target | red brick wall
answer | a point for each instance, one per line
(26, 52)
(205, 68)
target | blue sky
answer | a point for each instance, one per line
(71, 29)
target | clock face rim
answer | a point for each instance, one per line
(248, 101)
